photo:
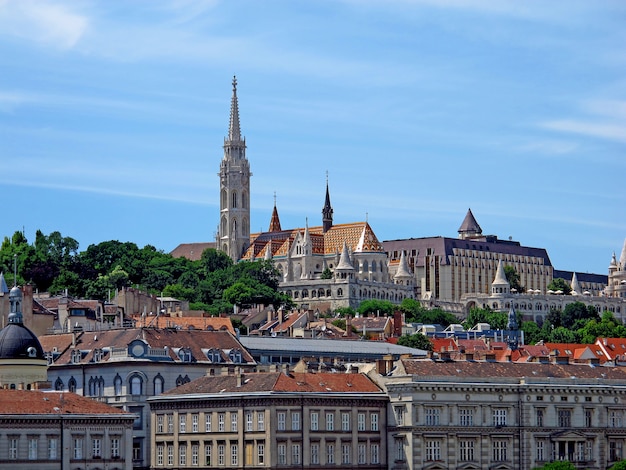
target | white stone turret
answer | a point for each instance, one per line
(500, 285)
(403, 274)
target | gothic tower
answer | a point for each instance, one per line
(234, 226)
(327, 211)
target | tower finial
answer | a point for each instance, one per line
(327, 210)
(234, 131)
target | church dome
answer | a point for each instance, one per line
(18, 342)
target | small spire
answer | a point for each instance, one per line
(403, 271)
(622, 258)
(469, 227)
(575, 285)
(327, 211)
(275, 220)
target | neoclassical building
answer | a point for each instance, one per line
(476, 415)
(279, 419)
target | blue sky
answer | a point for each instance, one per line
(113, 115)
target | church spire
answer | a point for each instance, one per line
(327, 211)
(275, 221)
(234, 132)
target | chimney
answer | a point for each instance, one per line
(239, 376)
(397, 323)
(348, 325)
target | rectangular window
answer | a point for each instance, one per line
(159, 455)
(260, 453)
(315, 454)
(539, 416)
(115, 447)
(96, 447)
(170, 423)
(360, 422)
(221, 422)
(330, 454)
(315, 418)
(361, 453)
(234, 454)
(580, 451)
(170, 454)
(615, 419)
(207, 422)
(499, 417)
(346, 453)
(433, 450)
(540, 451)
(182, 454)
(375, 453)
(564, 418)
(159, 428)
(615, 451)
(466, 450)
(32, 448)
(78, 448)
(282, 453)
(345, 421)
(208, 453)
(399, 448)
(233, 421)
(182, 423)
(221, 452)
(194, 422)
(260, 421)
(282, 416)
(374, 421)
(295, 454)
(195, 450)
(466, 417)
(499, 447)
(249, 421)
(330, 422)
(588, 418)
(399, 413)
(295, 421)
(432, 416)
(53, 448)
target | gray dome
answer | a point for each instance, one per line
(18, 342)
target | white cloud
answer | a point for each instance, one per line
(609, 131)
(45, 22)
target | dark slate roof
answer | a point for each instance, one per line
(469, 224)
(16, 340)
(582, 277)
(443, 247)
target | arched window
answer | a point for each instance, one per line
(72, 385)
(339, 292)
(117, 385)
(233, 203)
(158, 384)
(136, 385)
(58, 384)
(235, 356)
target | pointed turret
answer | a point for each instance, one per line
(512, 337)
(500, 285)
(469, 228)
(575, 285)
(268, 251)
(403, 274)
(622, 257)
(275, 221)
(344, 261)
(327, 211)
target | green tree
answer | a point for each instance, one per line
(563, 335)
(344, 311)
(376, 307)
(412, 309)
(417, 341)
(577, 311)
(621, 465)
(514, 280)
(327, 274)
(560, 284)
(532, 332)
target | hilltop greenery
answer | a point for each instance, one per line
(214, 283)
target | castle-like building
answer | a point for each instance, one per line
(321, 267)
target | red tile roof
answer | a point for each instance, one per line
(191, 251)
(323, 382)
(198, 323)
(22, 402)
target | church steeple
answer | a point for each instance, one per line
(234, 226)
(327, 211)
(275, 221)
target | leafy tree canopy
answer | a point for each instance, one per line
(417, 341)
(514, 280)
(376, 307)
(560, 284)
